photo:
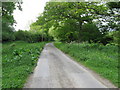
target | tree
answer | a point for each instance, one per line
(81, 12)
(115, 12)
(111, 21)
(8, 20)
(7, 11)
(64, 31)
(41, 27)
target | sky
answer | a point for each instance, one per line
(31, 10)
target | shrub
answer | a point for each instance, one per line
(111, 38)
(90, 33)
(28, 36)
(6, 36)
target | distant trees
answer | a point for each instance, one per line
(64, 30)
(28, 36)
(80, 12)
(9, 33)
(68, 21)
(72, 21)
(80, 21)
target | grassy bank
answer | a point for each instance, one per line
(0, 65)
(18, 61)
(101, 59)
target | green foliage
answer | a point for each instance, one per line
(18, 61)
(8, 20)
(6, 36)
(7, 10)
(106, 39)
(113, 16)
(42, 28)
(64, 31)
(114, 4)
(90, 33)
(7, 33)
(26, 36)
(81, 11)
(112, 37)
(30, 36)
(115, 35)
(101, 59)
(64, 20)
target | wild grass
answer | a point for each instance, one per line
(18, 61)
(101, 59)
(0, 65)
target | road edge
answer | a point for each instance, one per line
(103, 80)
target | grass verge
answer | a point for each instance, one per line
(0, 65)
(18, 61)
(101, 59)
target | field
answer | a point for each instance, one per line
(99, 58)
(18, 61)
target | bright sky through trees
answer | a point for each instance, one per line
(29, 14)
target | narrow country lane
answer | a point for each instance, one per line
(56, 70)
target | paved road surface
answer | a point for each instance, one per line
(56, 70)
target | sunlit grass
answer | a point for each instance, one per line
(18, 61)
(101, 59)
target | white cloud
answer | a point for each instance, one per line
(30, 12)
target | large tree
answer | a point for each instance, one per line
(80, 13)
(111, 20)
